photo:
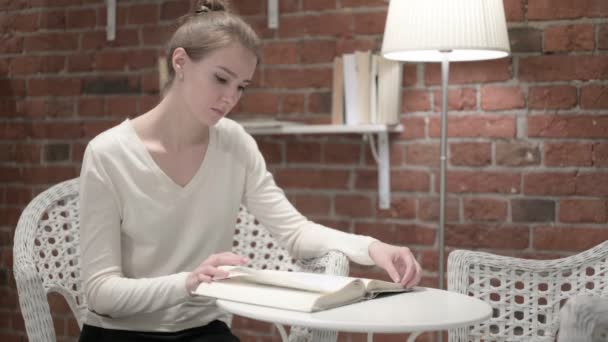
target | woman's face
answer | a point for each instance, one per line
(212, 86)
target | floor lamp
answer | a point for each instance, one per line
(445, 31)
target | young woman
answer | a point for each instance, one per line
(159, 196)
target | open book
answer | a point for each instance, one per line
(298, 291)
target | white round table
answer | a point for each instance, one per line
(424, 309)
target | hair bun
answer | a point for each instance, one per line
(206, 6)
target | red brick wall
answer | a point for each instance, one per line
(528, 146)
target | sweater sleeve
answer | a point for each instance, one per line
(108, 292)
(303, 238)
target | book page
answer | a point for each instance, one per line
(375, 285)
(322, 283)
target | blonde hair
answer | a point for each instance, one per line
(210, 27)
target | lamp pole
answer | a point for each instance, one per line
(445, 69)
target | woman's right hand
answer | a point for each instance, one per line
(207, 271)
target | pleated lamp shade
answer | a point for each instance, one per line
(418, 30)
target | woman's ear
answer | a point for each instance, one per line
(179, 59)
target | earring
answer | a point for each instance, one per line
(181, 76)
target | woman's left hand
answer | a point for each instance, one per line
(398, 262)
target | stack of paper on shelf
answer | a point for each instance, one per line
(366, 89)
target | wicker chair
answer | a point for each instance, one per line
(526, 295)
(47, 259)
(584, 319)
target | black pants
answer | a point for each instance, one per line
(216, 331)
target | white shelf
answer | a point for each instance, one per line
(380, 131)
(296, 128)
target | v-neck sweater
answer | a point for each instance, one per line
(142, 233)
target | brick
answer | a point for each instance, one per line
(583, 210)
(602, 37)
(51, 42)
(397, 234)
(13, 87)
(110, 60)
(410, 75)
(566, 9)
(248, 7)
(54, 86)
(280, 52)
(121, 106)
(525, 39)
(362, 3)
(569, 38)
(288, 6)
(422, 154)
(568, 154)
(563, 68)
(81, 18)
(10, 44)
(369, 22)
(513, 153)
(341, 153)
(48, 174)
(458, 99)
(568, 238)
(18, 196)
(514, 10)
(139, 14)
(53, 20)
(502, 98)
(313, 204)
(26, 22)
(470, 72)
(319, 102)
(600, 155)
(552, 97)
(170, 10)
(119, 85)
(317, 51)
(96, 40)
(485, 209)
(292, 103)
(532, 210)
(487, 236)
(409, 180)
(142, 59)
(475, 126)
(470, 154)
(415, 100)
(482, 182)
(317, 5)
(10, 174)
(91, 106)
(28, 65)
(401, 208)
(48, 107)
(27, 153)
(568, 126)
(312, 178)
(303, 152)
(297, 78)
(592, 184)
(316, 25)
(413, 127)
(594, 96)
(81, 62)
(353, 206)
(550, 183)
(259, 102)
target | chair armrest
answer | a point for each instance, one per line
(332, 262)
(580, 317)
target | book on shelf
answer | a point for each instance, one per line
(337, 94)
(296, 291)
(366, 89)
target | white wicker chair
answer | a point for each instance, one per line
(526, 295)
(47, 259)
(584, 319)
